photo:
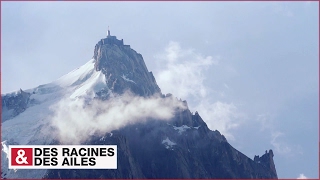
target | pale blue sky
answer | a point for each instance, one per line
(265, 75)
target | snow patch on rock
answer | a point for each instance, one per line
(168, 143)
(181, 129)
(127, 79)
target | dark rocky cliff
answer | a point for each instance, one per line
(14, 104)
(124, 68)
(183, 147)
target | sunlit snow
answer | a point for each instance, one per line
(33, 125)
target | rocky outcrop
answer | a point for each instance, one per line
(14, 104)
(123, 68)
(267, 161)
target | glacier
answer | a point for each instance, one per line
(33, 126)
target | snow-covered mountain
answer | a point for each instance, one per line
(114, 99)
(26, 114)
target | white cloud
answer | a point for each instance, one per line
(267, 124)
(280, 147)
(75, 120)
(302, 176)
(221, 116)
(182, 74)
(265, 121)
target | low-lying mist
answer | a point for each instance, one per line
(75, 121)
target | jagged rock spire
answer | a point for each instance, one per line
(123, 67)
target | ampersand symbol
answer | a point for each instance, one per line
(21, 156)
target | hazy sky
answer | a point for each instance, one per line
(249, 68)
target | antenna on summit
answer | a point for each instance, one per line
(108, 32)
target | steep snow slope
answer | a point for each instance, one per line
(32, 126)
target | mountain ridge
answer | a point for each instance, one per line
(180, 147)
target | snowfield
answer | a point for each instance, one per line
(33, 125)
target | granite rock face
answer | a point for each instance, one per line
(168, 150)
(14, 104)
(123, 68)
(183, 147)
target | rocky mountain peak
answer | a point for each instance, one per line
(123, 67)
(267, 161)
(180, 147)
